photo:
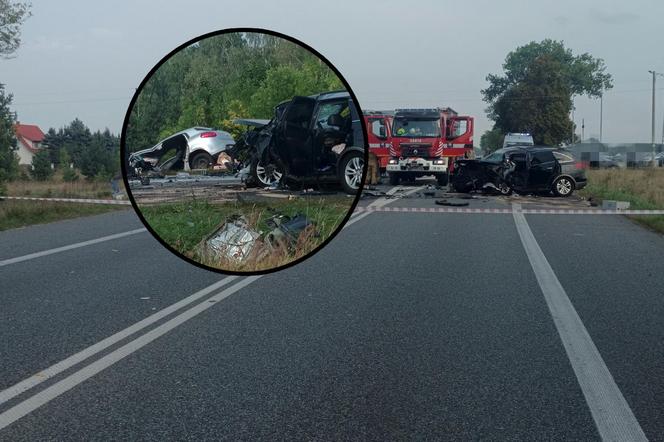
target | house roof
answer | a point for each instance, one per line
(30, 132)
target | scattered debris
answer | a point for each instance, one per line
(615, 205)
(373, 194)
(237, 241)
(145, 298)
(234, 240)
(451, 203)
(286, 230)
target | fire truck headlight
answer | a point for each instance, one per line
(392, 161)
(439, 161)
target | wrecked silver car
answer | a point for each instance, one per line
(193, 148)
(318, 138)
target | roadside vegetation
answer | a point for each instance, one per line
(643, 188)
(221, 78)
(16, 213)
(185, 225)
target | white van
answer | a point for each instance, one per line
(518, 139)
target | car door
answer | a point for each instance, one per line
(542, 166)
(332, 126)
(517, 171)
(293, 146)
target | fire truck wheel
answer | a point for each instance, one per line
(394, 179)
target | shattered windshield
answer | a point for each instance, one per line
(416, 128)
(495, 157)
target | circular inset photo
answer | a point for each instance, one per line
(244, 151)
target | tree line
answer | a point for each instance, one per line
(221, 78)
(535, 92)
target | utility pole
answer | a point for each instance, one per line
(653, 118)
(572, 142)
(601, 105)
(654, 74)
(583, 129)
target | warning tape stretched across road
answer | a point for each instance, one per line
(508, 211)
(69, 200)
(397, 209)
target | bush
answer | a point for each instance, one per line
(41, 163)
(69, 175)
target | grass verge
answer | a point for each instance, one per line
(61, 189)
(643, 188)
(184, 225)
(15, 213)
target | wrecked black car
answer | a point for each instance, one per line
(521, 169)
(317, 138)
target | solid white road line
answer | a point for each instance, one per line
(50, 393)
(65, 364)
(70, 247)
(613, 416)
(66, 384)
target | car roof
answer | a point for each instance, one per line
(532, 148)
(331, 95)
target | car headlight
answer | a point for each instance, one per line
(392, 161)
(439, 161)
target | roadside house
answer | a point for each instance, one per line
(29, 139)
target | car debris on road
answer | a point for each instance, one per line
(237, 241)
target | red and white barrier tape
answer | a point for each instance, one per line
(69, 200)
(508, 211)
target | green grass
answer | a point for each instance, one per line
(184, 225)
(15, 214)
(643, 188)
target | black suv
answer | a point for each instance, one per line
(317, 138)
(522, 169)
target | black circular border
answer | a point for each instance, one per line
(228, 31)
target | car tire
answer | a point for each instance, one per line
(351, 169)
(200, 160)
(442, 179)
(563, 186)
(394, 179)
(265, 175)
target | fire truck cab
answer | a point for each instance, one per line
(379, 131)
(426, 141)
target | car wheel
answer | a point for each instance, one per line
(505, 189)
(442, 179)
(352, 167)
(265, 174)
(394, 179)
(563, 186)
(200, 160)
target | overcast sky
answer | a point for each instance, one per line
(84, 59)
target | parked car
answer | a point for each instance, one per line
(318, 138)
(522, 169)
(193, 148)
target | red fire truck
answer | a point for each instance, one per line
(379, 130)
(426, 141)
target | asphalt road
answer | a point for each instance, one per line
(406, 326)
